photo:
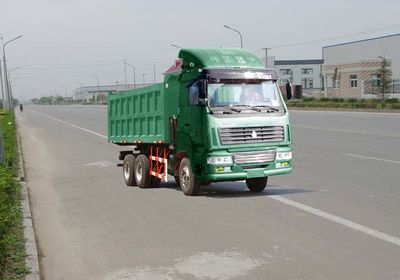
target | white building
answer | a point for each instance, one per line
(98, 94)
(305, 72)
(351, 69)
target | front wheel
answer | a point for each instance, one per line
(189, 184)
(257, 184)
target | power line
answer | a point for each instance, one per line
(71, 66)
(64, 76)
(333, 38)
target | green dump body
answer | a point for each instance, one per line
(141, 115)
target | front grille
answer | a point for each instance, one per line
(254, 157)
(249, 135)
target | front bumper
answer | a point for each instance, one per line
(237, 172)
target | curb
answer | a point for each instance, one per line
(32, 259)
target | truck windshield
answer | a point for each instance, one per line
(265, 94)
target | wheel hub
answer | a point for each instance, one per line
(127, 170)
(139, 172)
(185, 177)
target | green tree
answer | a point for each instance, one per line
(385, 74)
(59, 99)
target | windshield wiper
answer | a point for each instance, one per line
(230, 108)
(250, 107)
(268, 108)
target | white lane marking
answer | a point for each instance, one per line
(72, 125)
(377, 234)
(99, 164)
(373, 158)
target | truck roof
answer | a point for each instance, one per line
(219, 58)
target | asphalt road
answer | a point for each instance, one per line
(335, 217)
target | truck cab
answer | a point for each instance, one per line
(232, 123)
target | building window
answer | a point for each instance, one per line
(306, 70)
(376, 80)
(307, 82)
(285, 71)
(353, 80)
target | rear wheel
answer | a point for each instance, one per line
(189, 184)
(127, 168)
(142, 173)
(257, 184)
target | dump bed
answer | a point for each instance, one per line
(141, 115)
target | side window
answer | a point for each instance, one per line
(194, 94)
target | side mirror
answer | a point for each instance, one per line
(203, 85)
(288, 91)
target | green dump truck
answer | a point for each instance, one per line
(218, 116)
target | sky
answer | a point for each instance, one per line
(69, 43)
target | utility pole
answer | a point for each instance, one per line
(266, 56)
(144, 75)
(154, 74)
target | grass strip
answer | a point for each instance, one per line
(12, 247)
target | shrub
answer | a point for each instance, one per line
(359, 105)
(391, 100)
(395, 106)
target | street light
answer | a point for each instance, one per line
(134, 73)
(237, 31)
(176, 46)
(8, 94)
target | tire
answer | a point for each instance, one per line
(189, 184)
(128, 169)
(257, 184)
(142, 173)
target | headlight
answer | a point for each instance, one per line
(283, 155)
(220, 160)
